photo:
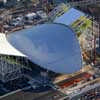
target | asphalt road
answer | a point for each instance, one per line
(30, 95)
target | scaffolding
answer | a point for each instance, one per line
(83, 2)
(11, 67)
(58, 11)
(95, 28)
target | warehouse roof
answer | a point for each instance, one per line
(69, 17)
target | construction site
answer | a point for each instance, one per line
(20, 75)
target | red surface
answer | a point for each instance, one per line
(75, 80)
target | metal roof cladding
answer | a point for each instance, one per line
(69, 17)
(52, 46)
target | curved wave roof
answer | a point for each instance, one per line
(52, 46)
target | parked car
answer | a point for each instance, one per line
(30, 16)
(42, 14)
(16, 22)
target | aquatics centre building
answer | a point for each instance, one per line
(54, 47)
